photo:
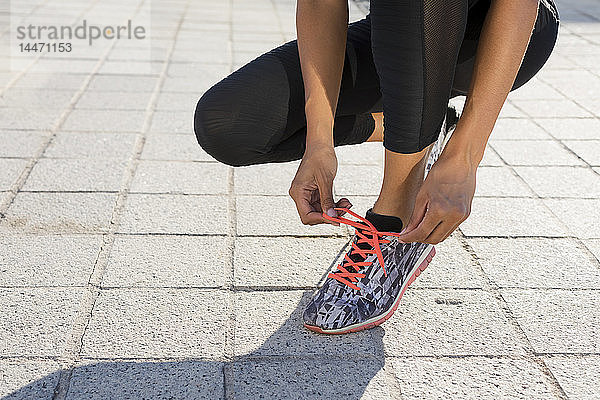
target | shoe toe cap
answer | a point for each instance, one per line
(310, 314)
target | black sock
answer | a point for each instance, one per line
(384, 223)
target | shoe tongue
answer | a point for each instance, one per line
(384, 223)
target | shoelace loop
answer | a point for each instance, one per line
(366, 233)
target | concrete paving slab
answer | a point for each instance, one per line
(25, 379)
(11, 169)
(571, 128)
(562, 181)
(124, 83)
(180, 214)
(125, 101)
(511, 217)
(359, 180)
(518, 129)
(270, 324)
(359, 154)
(557, 321)
(91, 145)
(89, 175)
(265, 179)
(309, 379)
(47, 260)
(169, 122)
(535, 89)
(452, 267)
(594, 246)
(552, 108)
(535, 152)
(581, 216)
(147, 379)
(537, 263)
(23, 144)
(433, 322)
(54, 81)
(104, 121)
(500, 182)
(27, 119)
(157, 323)
(510, 111)
(284, 262)
(473, 377)
(168, 101)
(588, 150)
(213, 71)
(174, 148)
(59, 213)
(167, 261)
(577, 375)
(37, 322)
(491, 158)
(181, 178)
(34, 98)
(275, 216)
(195, 84)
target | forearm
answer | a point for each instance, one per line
(502, 45)
(321, 26)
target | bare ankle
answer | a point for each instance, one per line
(401, 207)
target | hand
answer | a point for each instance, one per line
(312, 187)
(443, 202)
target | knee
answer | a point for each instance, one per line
(213, 125)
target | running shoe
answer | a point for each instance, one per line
(365, 288)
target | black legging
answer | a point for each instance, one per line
(407, 58)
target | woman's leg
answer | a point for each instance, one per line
(541, 44)
(415, 47)
(256, 114)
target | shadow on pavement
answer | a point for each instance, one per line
(291, 363)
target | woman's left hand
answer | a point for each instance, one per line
(443, 202)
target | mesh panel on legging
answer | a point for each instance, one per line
(415, 47)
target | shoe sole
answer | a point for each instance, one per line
(425, 260)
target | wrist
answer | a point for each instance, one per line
(464, 156)
(319, 137)
(467, 145)
(314, 147)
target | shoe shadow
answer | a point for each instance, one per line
(286, 362)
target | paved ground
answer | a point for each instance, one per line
(133, 266)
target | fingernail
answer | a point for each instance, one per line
(331, 213)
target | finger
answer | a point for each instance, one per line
(326, 194)
(418, 214)
(440, 233)
(455, 227)
(308, 214)
(315, 203)
(343, 203)
(430, 221)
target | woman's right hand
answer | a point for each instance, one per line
(312, 187)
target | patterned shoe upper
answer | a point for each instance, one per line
(369, 279)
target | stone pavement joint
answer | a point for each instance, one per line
(493, 288)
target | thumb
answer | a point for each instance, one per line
(326, 196)
(417, 215)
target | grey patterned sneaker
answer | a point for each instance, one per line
(366, 287)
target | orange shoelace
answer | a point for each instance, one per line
(366, 233)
